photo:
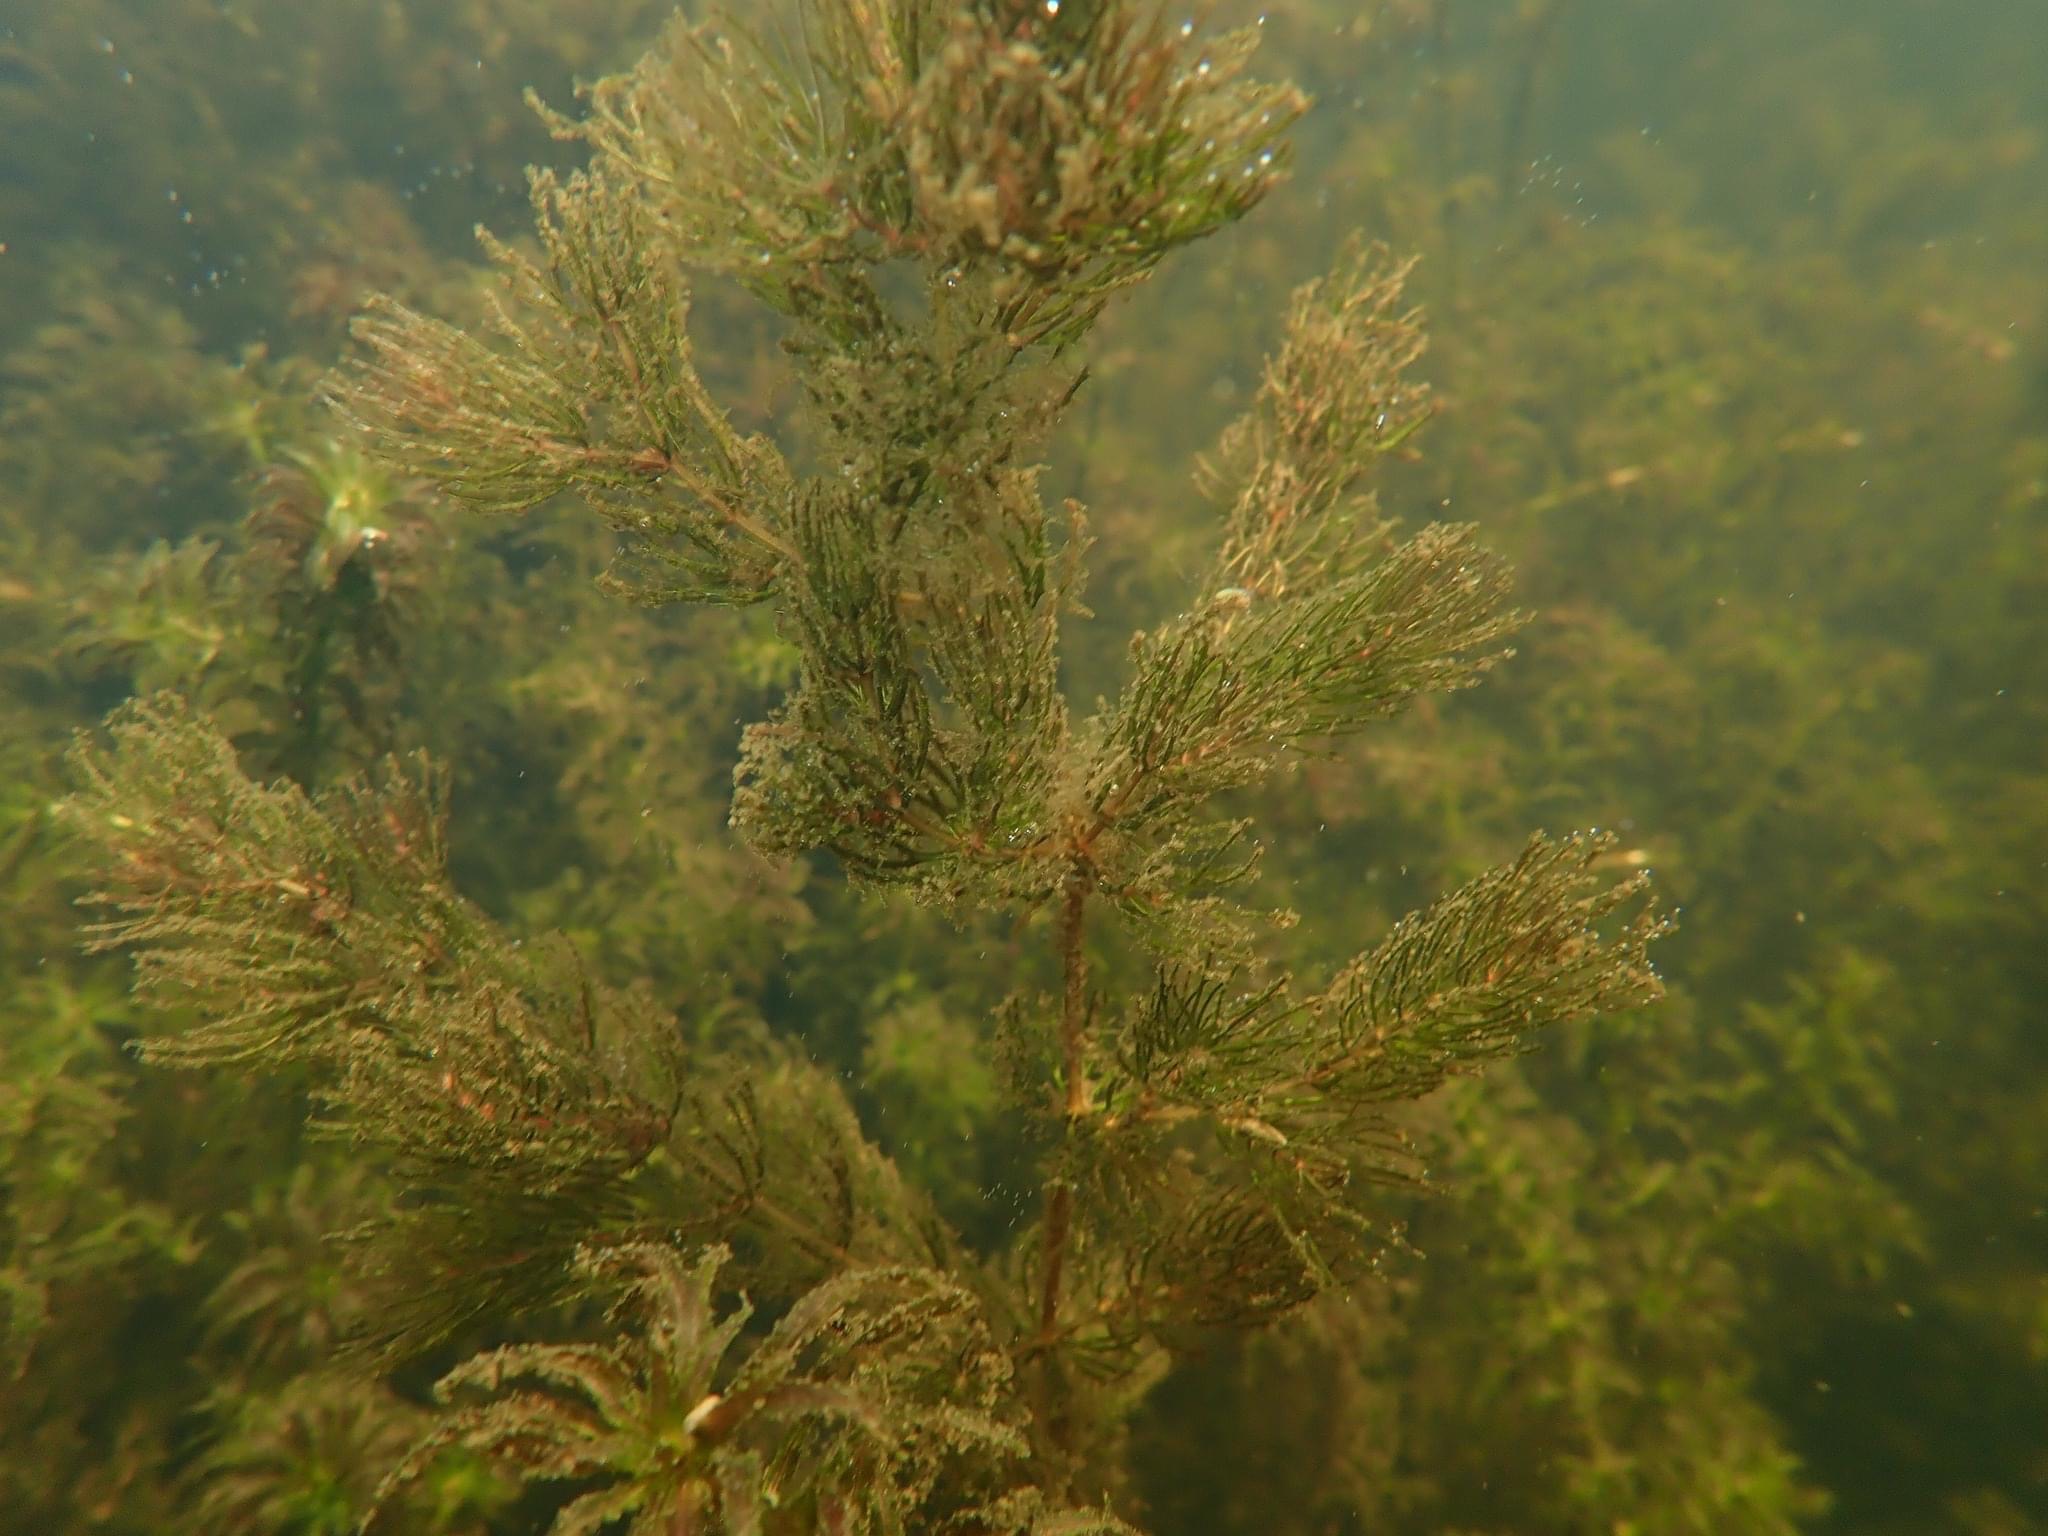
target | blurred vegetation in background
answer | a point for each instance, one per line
(1737, 352)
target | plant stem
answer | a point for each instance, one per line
(1059, 1197)
(1059, 1211)
(1073, 993)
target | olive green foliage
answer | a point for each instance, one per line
(1090, 1188)
(1751, 451)
(857, 1401)
(524, 1103)
(296, 595)
(942, 246)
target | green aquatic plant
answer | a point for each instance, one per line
(856, 1402)
(937, 200)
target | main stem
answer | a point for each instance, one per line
(1059, 1199)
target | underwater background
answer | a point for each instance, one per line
(1739, 334)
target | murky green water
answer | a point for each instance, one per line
(1737, 325)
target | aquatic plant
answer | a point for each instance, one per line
(938, 200)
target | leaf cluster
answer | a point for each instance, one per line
(526, 1107)
(871, 1403)
(1067, 149)
(1242, 1130)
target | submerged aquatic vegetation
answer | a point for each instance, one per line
(938, 200)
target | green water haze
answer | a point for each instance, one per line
(560, 1057)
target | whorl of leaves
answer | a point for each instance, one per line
(521, 1103)
(1470, 979)
(524, 1107)
(920, 743)
(1314, 621)
(1241, 1124)
(317, 1442)
(1218, 695)
(324, 929)
(1222, 695)
(1335, 399)
(289, 923)
(1069, 148)
(585, 385)
(874, 1404)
